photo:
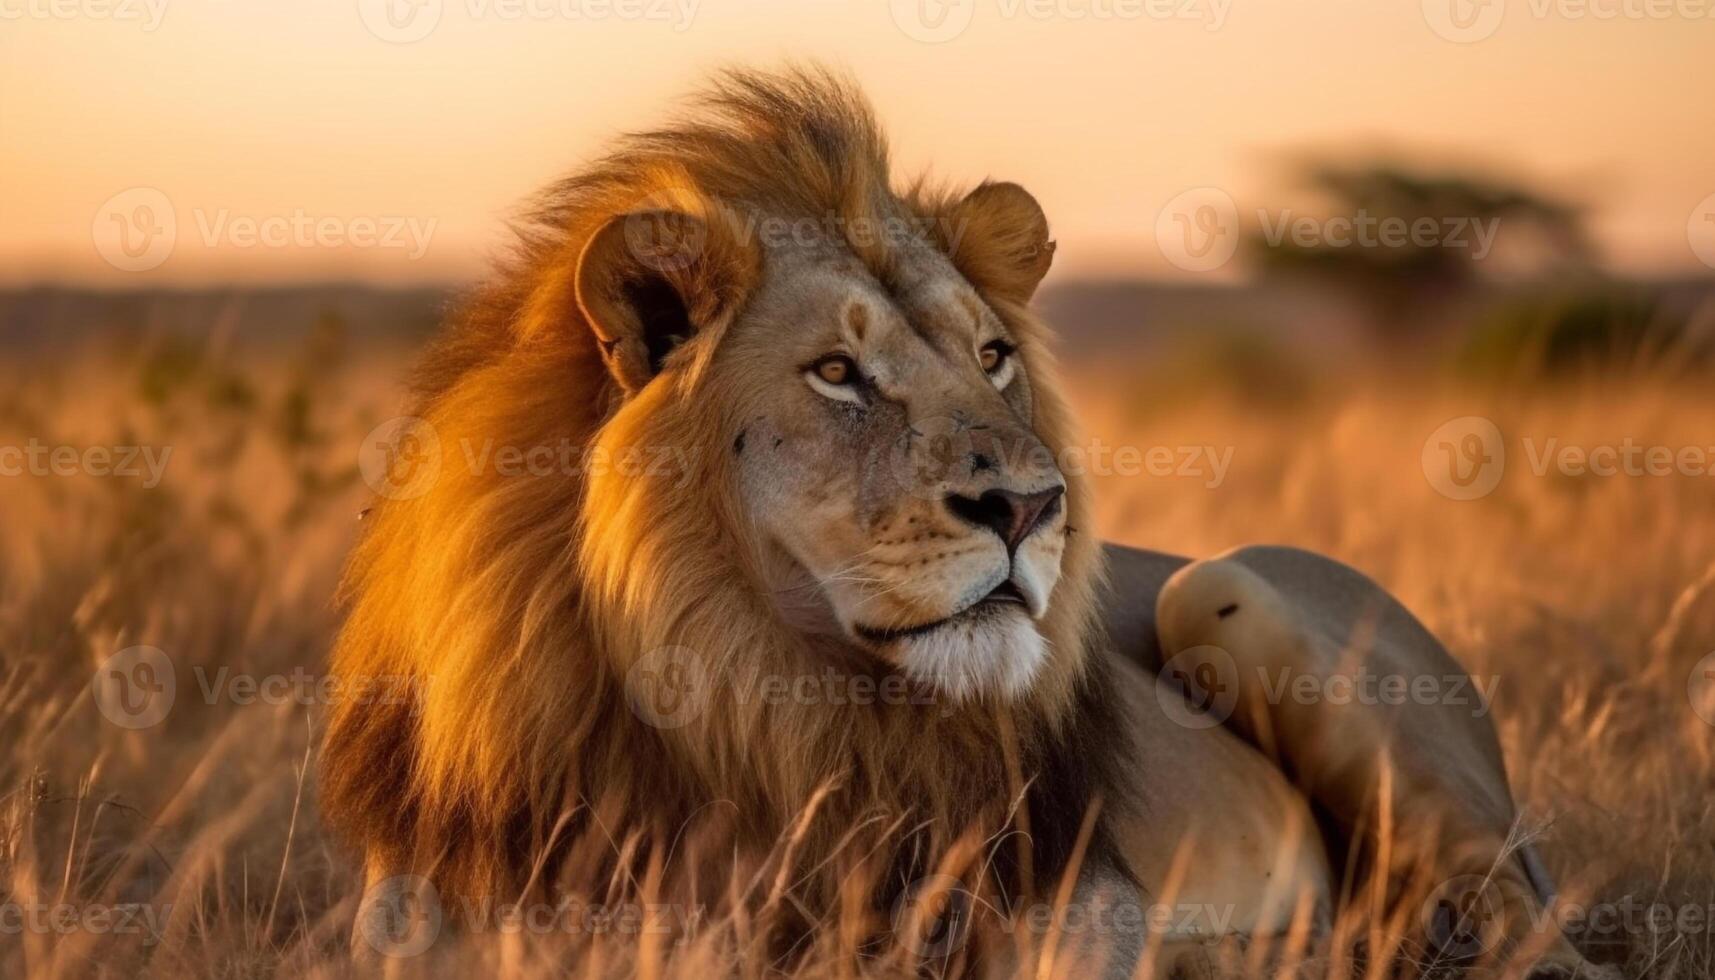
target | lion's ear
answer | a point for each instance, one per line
(649, 280)
(997, 237)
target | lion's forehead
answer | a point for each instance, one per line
(920, 310)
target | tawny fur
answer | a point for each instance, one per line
(518, 603)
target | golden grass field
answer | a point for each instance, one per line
(1589, 600)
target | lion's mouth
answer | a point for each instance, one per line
(1003, 595)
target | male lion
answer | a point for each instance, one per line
(741, 412)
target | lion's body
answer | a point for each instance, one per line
(1404, 784)
(714, 520)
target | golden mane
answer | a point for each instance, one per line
(517, 604)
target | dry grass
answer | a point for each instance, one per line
(1589, 599)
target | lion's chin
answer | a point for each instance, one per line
(997, 653)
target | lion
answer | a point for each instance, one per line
(741, 411)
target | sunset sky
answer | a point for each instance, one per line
(395, 136)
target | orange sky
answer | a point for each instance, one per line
(308, 139)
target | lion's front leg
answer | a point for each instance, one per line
(1365, 710)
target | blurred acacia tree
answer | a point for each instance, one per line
(1407, 287)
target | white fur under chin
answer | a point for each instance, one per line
(999, 655)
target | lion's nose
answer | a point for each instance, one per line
(1011, 515)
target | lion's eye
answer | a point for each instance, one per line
(836, 370)
(836, 377)
(994, 354)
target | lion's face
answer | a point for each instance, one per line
(886, 478)
(886, 454)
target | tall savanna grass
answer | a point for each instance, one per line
(1587, 599)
